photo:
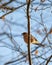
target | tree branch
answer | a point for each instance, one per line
(48, 60)
(28, 18)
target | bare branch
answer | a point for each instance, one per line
(48, 60)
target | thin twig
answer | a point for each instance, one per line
(48, 60)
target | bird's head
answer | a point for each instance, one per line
(24, 33)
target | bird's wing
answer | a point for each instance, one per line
(33, 38)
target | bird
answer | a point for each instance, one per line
(33, 40)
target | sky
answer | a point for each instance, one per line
(19, 19)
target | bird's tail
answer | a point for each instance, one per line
(39, 44)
